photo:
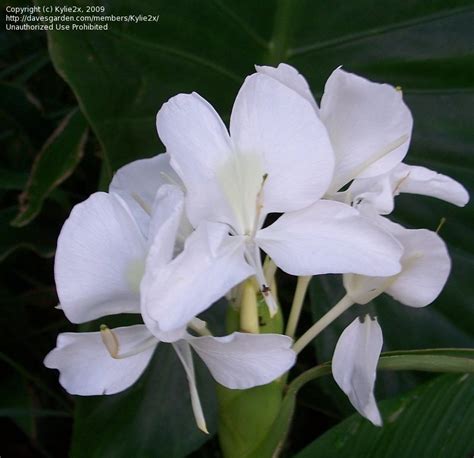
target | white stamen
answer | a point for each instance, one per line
(146, 208)
(111, 342)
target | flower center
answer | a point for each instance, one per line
(240, 179)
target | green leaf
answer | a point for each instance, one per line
(430, 360)
(435, 420)
(55, 162)
(246, 418)
(153, 418)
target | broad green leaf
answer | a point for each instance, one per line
(54, 163)
(435, 420)
(124, 425)
(429, 360)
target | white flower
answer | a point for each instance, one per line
(369, 125)
(277, 159)
(379, 192)
(354, 365)
(105, 265)
(89, 366)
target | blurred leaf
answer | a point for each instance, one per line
(20, 114)
(17, 402)
(430, 360)
(10, 179)
(153, 418)
(38, 239)
(55, 162)
(434, 420)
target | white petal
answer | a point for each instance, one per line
(165, 225)
(362, 288)
(138, 182)
(354, 365)
(369, 126)
(420, 180)
(86, 367)
(425, 268)
(377, 192)
(277, 124)
(330, 237)
(99, 260)
(290, 77)
(210, 265)
(184, 353)
(167, 218)
(199, 145)
(241, 361)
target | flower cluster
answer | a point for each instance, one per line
(179, 231)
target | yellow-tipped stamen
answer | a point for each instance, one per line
(248, 308)
(398, 88)
(110, 340)
(441, 224)
(399, 184)
(199, 326)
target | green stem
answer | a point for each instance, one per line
(298, 300)
(278, 46)
(324, 322)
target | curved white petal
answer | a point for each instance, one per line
(185, 356)
(420, 180)
(199, 145)
(241, 361)
(379, 192)
(99, 260)
(138, 182)
(273, 122)
(425, 268)
(166, 224)
(167, 219)
(211, 263)
(368, 123)
(330, 237)
(290, 77)
(86, 367)
(354, 365)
